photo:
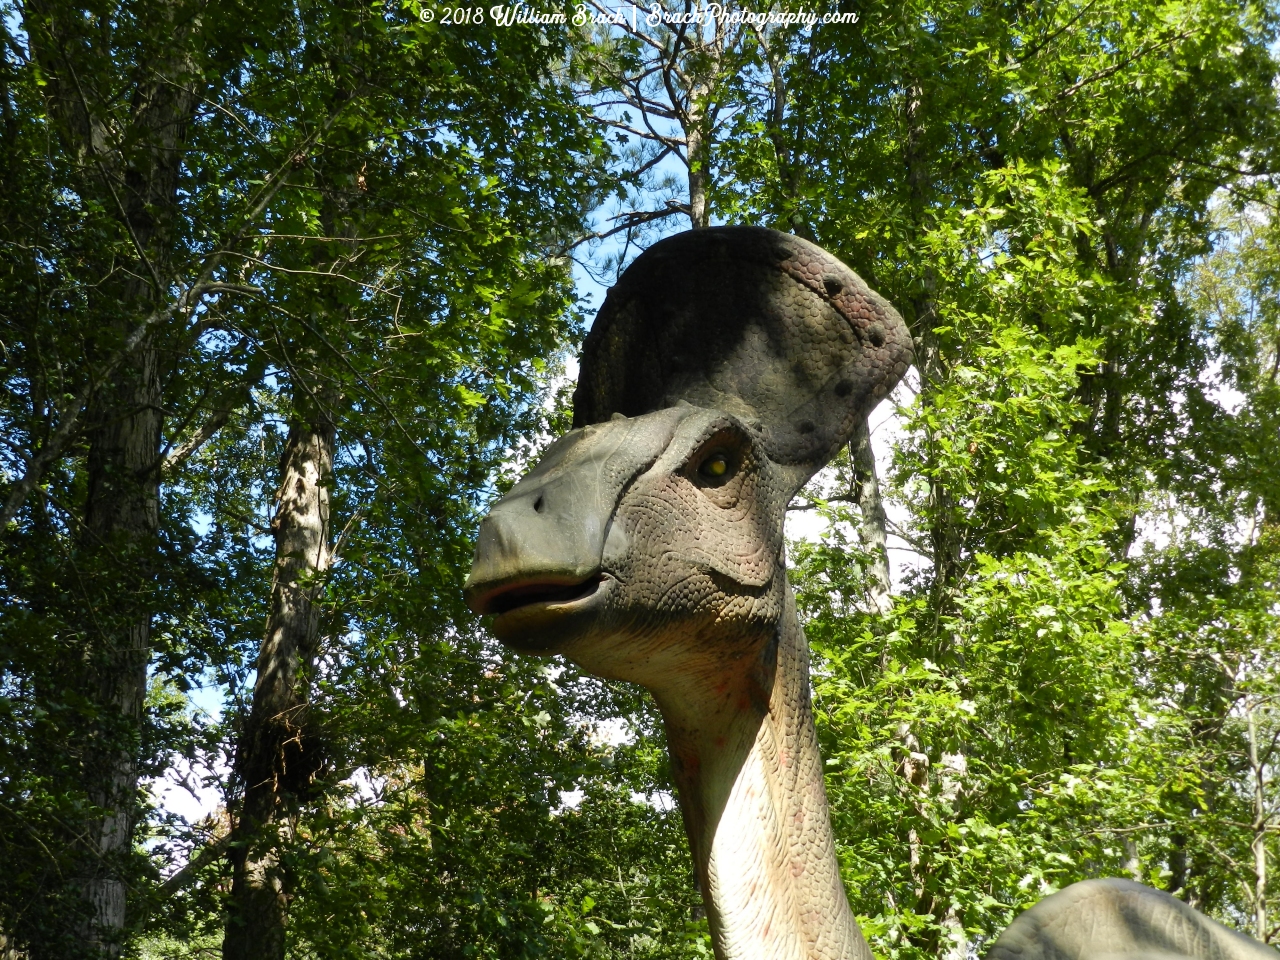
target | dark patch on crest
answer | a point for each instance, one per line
(755, 322)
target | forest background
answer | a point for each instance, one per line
(286, 298)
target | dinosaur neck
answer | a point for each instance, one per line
(745, 756)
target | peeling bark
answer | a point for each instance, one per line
(873, 527)
(276, 758)
(1132, 862)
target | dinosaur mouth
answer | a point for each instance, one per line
(544, 593)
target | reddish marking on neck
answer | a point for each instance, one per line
(687, 760)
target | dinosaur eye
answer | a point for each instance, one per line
(716, 466)
(719, 459)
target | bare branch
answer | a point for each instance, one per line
(347, 528)
(184, 876)
(211, 426)
(671, 143)
(630, 222)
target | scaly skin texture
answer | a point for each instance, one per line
(727, 367)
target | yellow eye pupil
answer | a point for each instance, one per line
(716, 467)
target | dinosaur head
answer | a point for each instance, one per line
(726, 367)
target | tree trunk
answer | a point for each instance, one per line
(698, 124)
(1260, 824)
(119, 544)
(873, 527)
(943, 535)
(276, 758)
(279, 753)
(1132, 862)
(698, 149)
(130, 162)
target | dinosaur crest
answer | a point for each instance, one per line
(751, 321)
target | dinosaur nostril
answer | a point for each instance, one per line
(844, 388)
(537, 504)
(805, 426)
(876, 335)
(832, 286)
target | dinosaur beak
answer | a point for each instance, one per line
(538, 555)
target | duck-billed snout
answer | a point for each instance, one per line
(542, 543)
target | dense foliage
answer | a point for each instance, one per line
(242, 242)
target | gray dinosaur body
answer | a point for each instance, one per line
(1114, 919)
(727, 367)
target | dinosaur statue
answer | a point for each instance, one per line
(726, 367)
